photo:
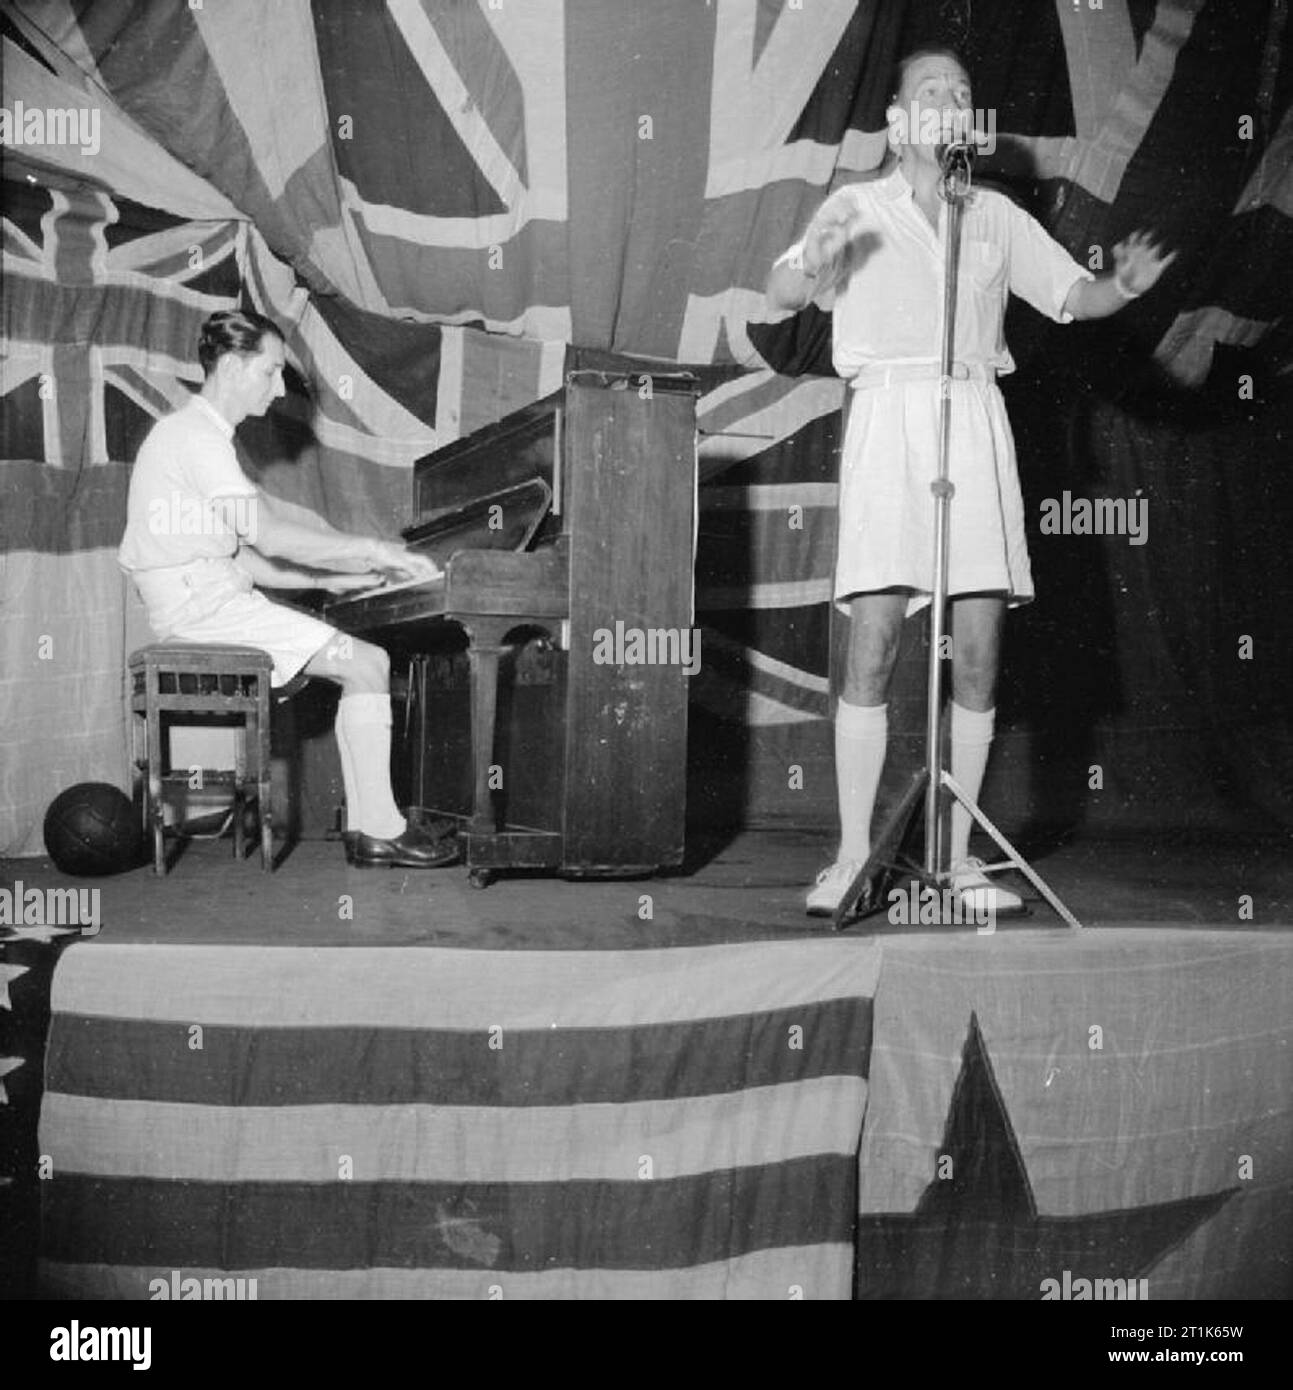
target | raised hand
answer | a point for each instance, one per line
(834, 226)
(1138, 262)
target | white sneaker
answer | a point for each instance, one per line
(977, 891)
(832, 883)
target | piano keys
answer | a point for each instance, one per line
(553, 525)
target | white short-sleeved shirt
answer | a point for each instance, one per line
(189, 508)
(185, 466)
(888, 298)
(887, 302)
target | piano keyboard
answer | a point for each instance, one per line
(391, 588)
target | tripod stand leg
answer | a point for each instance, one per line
(1015, 857)
(883, 851)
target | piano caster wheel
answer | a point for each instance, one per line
(480, 878)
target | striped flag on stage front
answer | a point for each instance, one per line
(399, 1122)
(1105, 1116)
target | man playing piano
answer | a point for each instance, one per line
(199, 534)
(873, 253)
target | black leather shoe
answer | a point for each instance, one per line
(415, 849)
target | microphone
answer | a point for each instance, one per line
(956, 157)
(961, 139)
(956, 153)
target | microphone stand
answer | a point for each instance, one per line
(933, 778)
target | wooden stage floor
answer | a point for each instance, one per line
(748, 888)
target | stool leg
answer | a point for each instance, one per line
(240, 771)
(139, 766)
(156, 804)
(266, 832)
(265, 792)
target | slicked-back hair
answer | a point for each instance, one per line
(233, 330)
(926, 50)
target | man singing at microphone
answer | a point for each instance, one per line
(874, 254)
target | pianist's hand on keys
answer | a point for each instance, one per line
(392, 563)
(380, 565)
(350, 583)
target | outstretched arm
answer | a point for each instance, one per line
(278, 538)
(267, 573)
(796, 278)
(1138, 262)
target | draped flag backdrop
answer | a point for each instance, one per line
(436, 200)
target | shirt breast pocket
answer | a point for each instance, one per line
(984, 264)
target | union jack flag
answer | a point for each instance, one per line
(437, 199)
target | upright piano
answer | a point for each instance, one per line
(546, 714)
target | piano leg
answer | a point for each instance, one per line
(484, 653)
(489, 845)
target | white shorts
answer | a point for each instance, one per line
(212, 601)
(886, 510)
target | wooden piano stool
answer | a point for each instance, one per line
(201, 679)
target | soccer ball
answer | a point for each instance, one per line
(93, 829)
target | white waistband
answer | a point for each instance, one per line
(195, 589)
(887, 373)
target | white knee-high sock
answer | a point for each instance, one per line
(971, 739)
(364, 741)
(861, 739)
